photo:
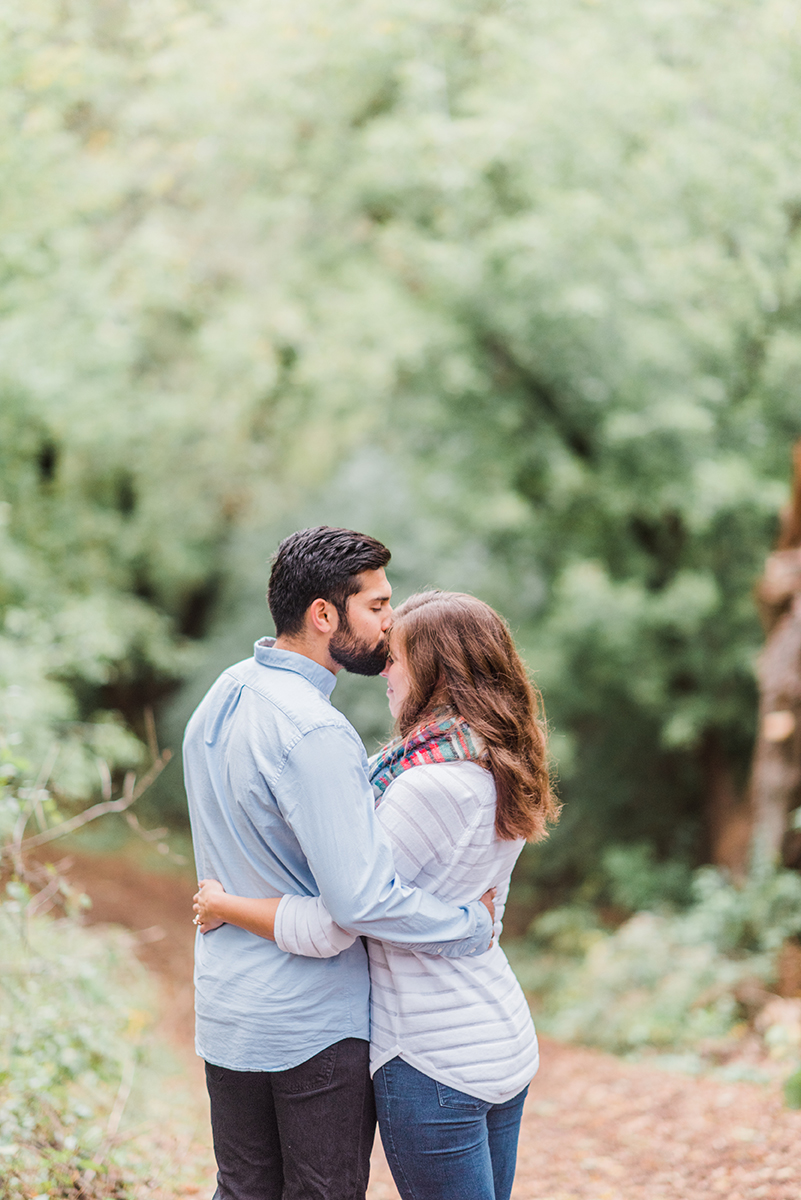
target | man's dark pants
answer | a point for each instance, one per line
(301, 1134)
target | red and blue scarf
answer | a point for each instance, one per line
(446, 738)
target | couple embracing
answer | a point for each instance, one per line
(347, 958)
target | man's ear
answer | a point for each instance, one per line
(323, 616)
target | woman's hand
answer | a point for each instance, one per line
(488, 900)
(215, 907)
(206, 916)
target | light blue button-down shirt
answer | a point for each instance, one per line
(280, 803)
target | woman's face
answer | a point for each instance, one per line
(396, 673)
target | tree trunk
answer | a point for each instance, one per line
(728, 813)
(776, 770)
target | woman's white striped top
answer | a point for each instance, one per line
(462, 1021)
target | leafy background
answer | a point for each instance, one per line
(515, 287)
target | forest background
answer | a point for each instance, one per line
(513, 286)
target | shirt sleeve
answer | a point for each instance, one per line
(327, 801)
(303, 925)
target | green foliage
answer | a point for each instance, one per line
(575, 302)
(539, 262)
(637, 882)
(792, 1090)
(661, 981)
(568, 932)
(516, 288)
(602, 274)
(73, 1004)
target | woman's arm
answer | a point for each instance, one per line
(305, 926)
(214, 907)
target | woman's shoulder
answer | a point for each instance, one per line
(459, 780)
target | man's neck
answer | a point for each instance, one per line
(309, 648)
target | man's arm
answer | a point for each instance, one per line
(325, 798)
(298, 924)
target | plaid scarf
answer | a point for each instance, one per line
(447, 738)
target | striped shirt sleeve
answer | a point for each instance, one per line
(303, 925)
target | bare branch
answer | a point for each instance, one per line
(123, 1093)
(147, 835)
(34, 803)
(130, 793)
(105, 778)
(47, 767)
(115, 1116)
(39, 902)
(150, 731)
(38, 812)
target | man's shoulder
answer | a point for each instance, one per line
(285, 695)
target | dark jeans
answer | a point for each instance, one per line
(442, 1144)
(301, 1134)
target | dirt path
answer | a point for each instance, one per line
(595, 1128)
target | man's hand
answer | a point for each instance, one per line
(206, 917)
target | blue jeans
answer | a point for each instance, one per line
(442, 1144)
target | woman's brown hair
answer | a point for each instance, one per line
(460, 656)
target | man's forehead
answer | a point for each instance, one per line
(374, 586)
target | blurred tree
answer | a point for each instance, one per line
(586, 220)
(776, 773)
(542, 260)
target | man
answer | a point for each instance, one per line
(280, 803)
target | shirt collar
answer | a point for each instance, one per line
(266, 654)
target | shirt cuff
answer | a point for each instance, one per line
(281, 914)
(304, 926)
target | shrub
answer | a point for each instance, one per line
(73, 1005)
(663, 980)
(637, 881)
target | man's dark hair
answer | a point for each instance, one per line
(319, 564)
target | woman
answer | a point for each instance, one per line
(460, 789)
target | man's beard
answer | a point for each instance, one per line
(357, 657)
